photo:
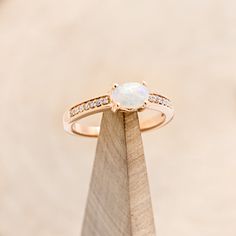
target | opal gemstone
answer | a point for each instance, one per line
(130, 95)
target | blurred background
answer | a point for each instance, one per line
(56, 53)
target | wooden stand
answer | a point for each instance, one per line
(119, 202)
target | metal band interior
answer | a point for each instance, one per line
(147, 121)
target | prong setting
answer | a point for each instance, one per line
(115, 85)
(115, 107)
(144, 83)
(130, 96)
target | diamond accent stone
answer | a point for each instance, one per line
(92, 104)
(99, 102)
(72, 113)
(130, 95)
(105, 100)
(76, 110)
(86, 106)
(154, 98)
(81, 108)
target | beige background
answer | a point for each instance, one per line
(54, 53)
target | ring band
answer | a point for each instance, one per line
(128, 97)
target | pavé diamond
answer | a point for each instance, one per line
(81, 108)
(86, 106)
(99, 102)
(152, 98)
(91, 104)
(130, 95)
(105, 101)
(76, 110)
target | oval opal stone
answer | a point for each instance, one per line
(130, 95)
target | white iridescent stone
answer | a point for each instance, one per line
(130, 95)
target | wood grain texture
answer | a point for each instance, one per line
(119, 200)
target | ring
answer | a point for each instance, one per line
(128, 97)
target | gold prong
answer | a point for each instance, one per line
(144, 83)
(141, 109)
(144, 105)
(115, 85)
(115, 107)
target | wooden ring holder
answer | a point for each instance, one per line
(119, 202)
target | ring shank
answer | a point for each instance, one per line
(93, 131)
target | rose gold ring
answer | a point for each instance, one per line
(128, 97)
